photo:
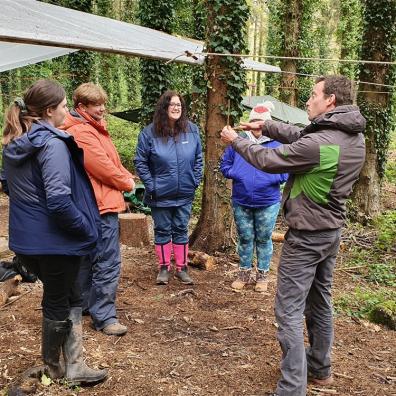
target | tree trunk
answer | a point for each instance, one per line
(379, 39)
(226, 81)
(292, 27)
(367, 190)
(213, 231)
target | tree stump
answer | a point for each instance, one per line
(134, 229)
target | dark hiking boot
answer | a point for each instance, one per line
(242, 280)
(163, 275)
(53, 336)
(77, 372)
(183, 276)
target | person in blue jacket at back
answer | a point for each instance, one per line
(169, 162)
(256, 200)
(53, 221)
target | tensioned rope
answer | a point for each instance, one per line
(300, 58)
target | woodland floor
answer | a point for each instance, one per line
(205, 341)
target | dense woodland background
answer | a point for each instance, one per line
(336, 30)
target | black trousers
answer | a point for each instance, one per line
(59, 275)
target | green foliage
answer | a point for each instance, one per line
(274, 44)
(363, 301)
(380, 122)
(155, 75)
(390, 168)
(371, 261)
(196, 207)
(124, 135)
(384, 313)
(386, 225)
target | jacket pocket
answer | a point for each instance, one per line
(165, 186)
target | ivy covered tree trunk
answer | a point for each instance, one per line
(291, 32)
(349, 35)
(379, 44)
(292, 29)
(226, 84)
(199, 91)
(155, 75)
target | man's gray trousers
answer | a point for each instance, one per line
(305, 277)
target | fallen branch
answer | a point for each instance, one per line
(233, 328)
(201, 260)
(346, 269)
(343, 375)
(327, 391)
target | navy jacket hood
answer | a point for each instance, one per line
(22, 148)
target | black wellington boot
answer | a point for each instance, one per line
(77, 372)
(53, 336)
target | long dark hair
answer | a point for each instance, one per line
(42, 95)
(162, 127)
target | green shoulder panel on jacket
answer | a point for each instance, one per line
(316, 183)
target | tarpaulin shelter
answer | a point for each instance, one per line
(34, 24)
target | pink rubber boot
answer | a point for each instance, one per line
(163, 253)
(180, 252)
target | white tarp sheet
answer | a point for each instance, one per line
(34, 22)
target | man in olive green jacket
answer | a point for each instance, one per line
(324, 161)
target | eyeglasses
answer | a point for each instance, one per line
(175, 105)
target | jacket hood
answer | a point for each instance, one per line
(23, 147)
(73, 118)
(345, 118)
(80, 118)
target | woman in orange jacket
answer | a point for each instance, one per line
(99, 279)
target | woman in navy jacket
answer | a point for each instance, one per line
(169, 162)
(255, 199)
(54, 220)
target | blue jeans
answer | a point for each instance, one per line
(171, 224)
(99, 281)
(254, 227)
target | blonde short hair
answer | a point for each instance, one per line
(89, 93)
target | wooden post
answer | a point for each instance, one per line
(134, 229)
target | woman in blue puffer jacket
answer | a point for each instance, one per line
(53, 220)
(169, 162)
(255, 199)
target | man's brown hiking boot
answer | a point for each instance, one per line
(321, 381)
